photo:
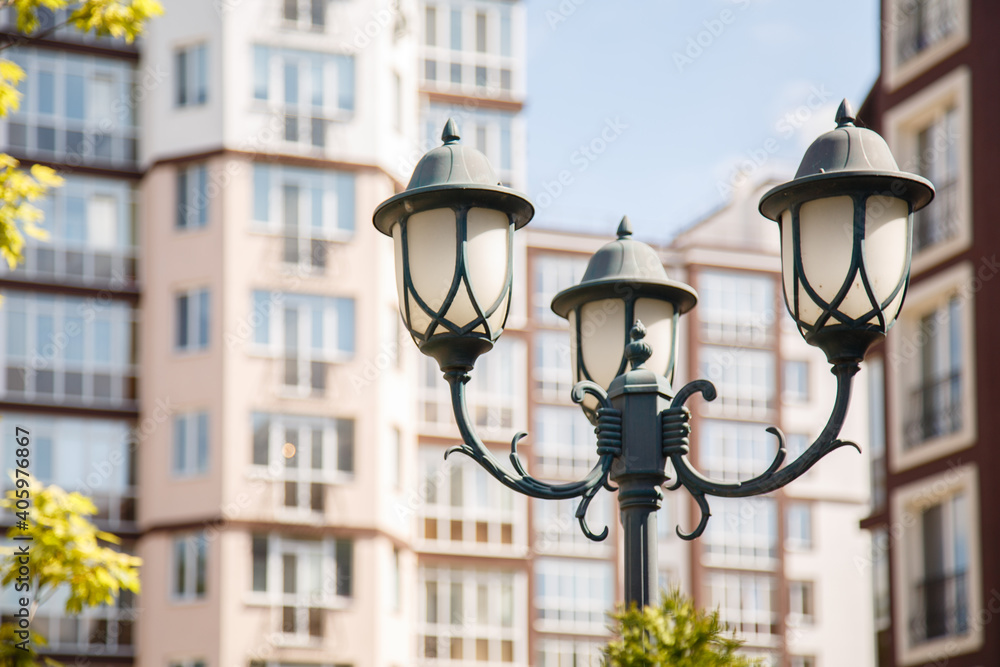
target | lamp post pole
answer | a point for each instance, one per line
(845, 221)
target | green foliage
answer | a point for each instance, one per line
(675, 634)
(117, 18)
(66, 552)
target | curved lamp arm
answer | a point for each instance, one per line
(675, 431)
(609, 445)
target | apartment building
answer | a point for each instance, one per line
(933, 513)
(209, 346)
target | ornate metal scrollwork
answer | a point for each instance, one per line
(675, 430)
(609, 445)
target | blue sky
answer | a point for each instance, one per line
(651, 109)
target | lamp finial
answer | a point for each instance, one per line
(845, 114)
(450, 133)
(624, 227)
(638, 351)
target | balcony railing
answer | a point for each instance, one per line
(938, 223)
(935, 410)
(940, 608)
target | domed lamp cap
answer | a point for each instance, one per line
(625, 266)
(845, 158)
(448, 174)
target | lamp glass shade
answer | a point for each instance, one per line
(658, 318)
(604, 332)
(827, 245)
(432, 255)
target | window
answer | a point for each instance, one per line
(557, 530)
(310, 89)
(573, 595)
(801, 603)
(91, 225)
(461, 506)
(565, 443)
(938, 566)
(742, 532)
(876, 430)
(395, 587)
(94, 456)
(746, 603)
(190, 444)
(496, 133)
(924, 23)
(931, 356)
(796, 377)
(303, 454)
(192, 197)
(68, 351)
(193, 662)
(307, 332)
(301, 579)
(309, 207)
(551, 275)
(495, 398)
(798, 526)
(74, 113)
(882, 594)
(395, 459)
(736, 308)
(744, 379)
(105, 630)
(476, 38)
(192, 312)
(929, 132)
(732, 451)
(305, 14)
(553, 373)
(937, 146)
(802, 661)
(560, 652)
(468, 615)
(189, 570)
(191, 76)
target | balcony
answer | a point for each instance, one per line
(940, 608)
(935, 410)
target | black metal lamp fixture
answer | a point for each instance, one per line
(846, 223)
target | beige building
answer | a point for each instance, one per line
(209, 346)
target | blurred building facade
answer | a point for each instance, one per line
(209, 346)
(933, 514)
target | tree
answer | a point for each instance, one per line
(19, 188)
(64, 552)
(675, 634)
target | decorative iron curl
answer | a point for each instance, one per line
(675, 429)
(609, 445)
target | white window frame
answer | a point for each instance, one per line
(195, 556)
(198, 337)
(795, 381)
(552, 371)
(192, 197)
(802, 603)
(744, 378)
(734, 595)
(732, 450)
(106, 330)
(305, 15)
(564, 651)
(189, 454)
(326, 595)
(736, 307)
(584, 611)
(564, 442)
(925, 297)
(119, 77)
(898, 73)
(459, 499)
(336, 455)
(552, 273)
(745, 533)
(490, 601)
(903, 123)
(907, 504)
(794, 541)
(192, 89)
(557, 530)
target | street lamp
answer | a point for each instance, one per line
(846, 224)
